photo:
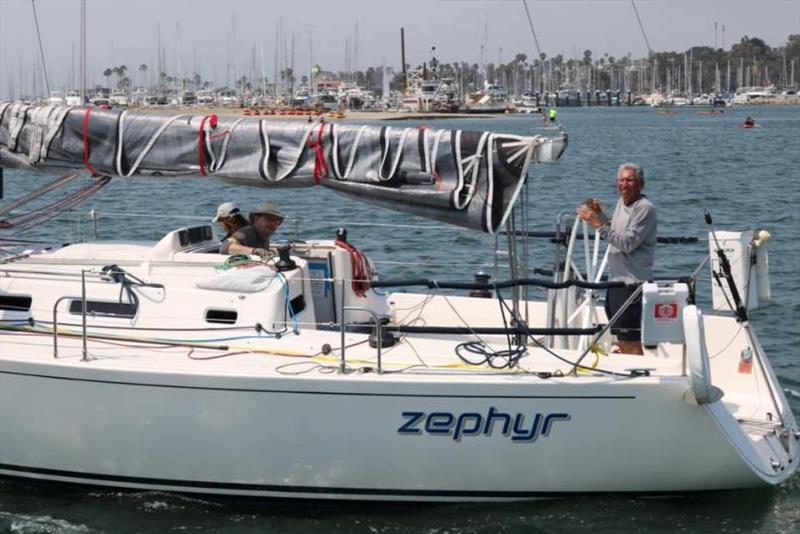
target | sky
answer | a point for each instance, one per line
(218, 38)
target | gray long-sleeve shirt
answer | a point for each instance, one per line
(631, 235)
(245, 236)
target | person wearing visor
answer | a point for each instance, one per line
(231, 220)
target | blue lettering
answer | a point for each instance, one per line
(550, 418)
(461, 425)
(439, 423)
(468, 424)
(490, 419)
(521, 434)
(413, 419)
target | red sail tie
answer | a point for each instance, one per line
(320, 165)
(201, 141)
(361, 270)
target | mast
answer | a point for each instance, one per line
(291, 68)
(700, 76)
(178, 54)
(687, 74)
(312, 79)
(275, 62)
(160, 64)
(83, 52)
(784, 80)
(403, 59)
(728, 78)
(355, 53)
(263, 72)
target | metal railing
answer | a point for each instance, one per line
(84, 350)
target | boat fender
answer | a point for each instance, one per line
(702, 391)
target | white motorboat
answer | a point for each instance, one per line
(56, 98)
(492, 99)
(120, 98)
(205, 98)
(167, 366)
(73, 98)
(749, 95)
(228, 98)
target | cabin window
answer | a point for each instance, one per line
(194, 235)
(18, 303)
(297, 304)
(104, 308)
(221, 316)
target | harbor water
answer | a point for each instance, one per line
(747, 179)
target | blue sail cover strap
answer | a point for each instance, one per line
(470, 179)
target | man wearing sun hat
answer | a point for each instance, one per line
(254, 238)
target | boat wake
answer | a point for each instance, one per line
(28, 524)
(793, 393)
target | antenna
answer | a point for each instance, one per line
(533, 32)
(641, 27)
(41, 48)
(83, 52)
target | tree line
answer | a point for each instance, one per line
(700, 69)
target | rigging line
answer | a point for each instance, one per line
(530, 23)
(58, 182)
(41, 48)
(52, 210)
(641, 27)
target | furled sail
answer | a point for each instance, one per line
(470, 179)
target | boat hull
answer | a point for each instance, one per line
(348, 437)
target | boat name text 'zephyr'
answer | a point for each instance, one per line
(476, 424)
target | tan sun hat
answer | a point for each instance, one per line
(268, 208)
(225, 210)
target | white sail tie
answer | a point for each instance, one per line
(351, 157)
(298, 154)
(145, 150)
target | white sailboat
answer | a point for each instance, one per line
(142, 365)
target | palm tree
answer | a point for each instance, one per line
(107, 73)
(143, 70)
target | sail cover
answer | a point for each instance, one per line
(470, 179)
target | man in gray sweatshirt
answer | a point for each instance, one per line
(631, 235)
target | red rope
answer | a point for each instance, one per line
(361, 269)
(86, 150)
(320, 165)
(201, 141)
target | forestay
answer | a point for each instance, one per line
(470, 179)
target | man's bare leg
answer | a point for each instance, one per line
(630, 347)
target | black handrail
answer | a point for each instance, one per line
(540, 282)
(491, 330)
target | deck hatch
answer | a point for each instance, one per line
(221, 316)
(18, 303)
(104, 308)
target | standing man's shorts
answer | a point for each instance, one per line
(629, 325)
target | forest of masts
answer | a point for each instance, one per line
(699, 70)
